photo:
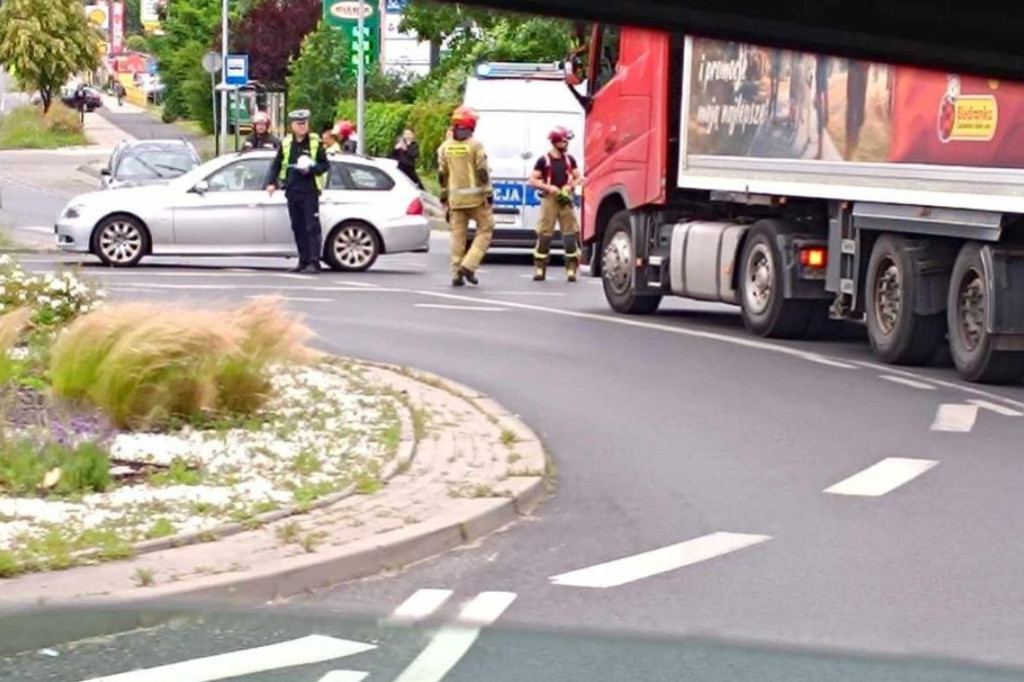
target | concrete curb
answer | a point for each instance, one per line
(464, 521)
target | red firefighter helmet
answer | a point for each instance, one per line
(464, 117)
(344, 128)
(560, 134)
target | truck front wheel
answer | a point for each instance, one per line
(764, 308)
(898, 335)
(970, 343)
(618, 270)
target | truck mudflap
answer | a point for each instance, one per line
(650, 262)
(1004, 274)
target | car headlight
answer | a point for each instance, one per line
(71, 212)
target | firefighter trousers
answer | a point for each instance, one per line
(483, 216)
(551, 212)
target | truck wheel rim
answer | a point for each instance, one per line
(971, 313)
(120, 241)
(888, 296)
(618, 258)
(758, 285)
(354, 246)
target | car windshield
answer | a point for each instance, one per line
(160, 163)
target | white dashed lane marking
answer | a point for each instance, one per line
(422, 604)
(469, 308)
(883, 477)
(904, 381)
(995, 407)
(655, 562)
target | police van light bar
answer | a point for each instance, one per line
(546, 71)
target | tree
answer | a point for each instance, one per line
(137, 43)
(46, 42)
(190, 30)
(271, 33)
(320, 75)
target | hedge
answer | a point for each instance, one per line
(385, 122)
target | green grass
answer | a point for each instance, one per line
(508, 438)
(179, 473)
(144, 577)
(27, 128)
(28, 467)
(161, 528)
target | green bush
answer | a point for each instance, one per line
(385, 122)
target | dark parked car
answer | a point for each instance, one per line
(90, 97)
(148, 162)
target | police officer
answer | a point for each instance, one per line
(261, 137)
(557, 175)
(300, 167)
(467, 195)
(344, 131)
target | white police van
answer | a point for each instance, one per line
(519, 104)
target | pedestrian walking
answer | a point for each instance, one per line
(466, 194)
(557, 175)
(300, 168)
(406, 153)
(261, 137)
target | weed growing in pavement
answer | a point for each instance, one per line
(368, 483)
(310, 541)
(179, 472)
(307, 463)
(144, 577)
(508, 438)
(289, 532)
(9, 565)
(161, 528)
(513, 457)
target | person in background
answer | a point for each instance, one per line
(406, 153)
(331, 145)
(300, 167)
(467, 194)
(345, 131)
(261, 137)
(556, 175)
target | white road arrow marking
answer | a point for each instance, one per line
(995, 407)
(883, 477)
(420, 605)
(955, 418)
(302, 651)
(451, 643)
(344, 676)
(655, 562)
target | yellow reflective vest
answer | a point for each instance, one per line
(460, 162)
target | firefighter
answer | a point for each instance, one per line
(331, 145)
(261, 137)
(466, 194)
(344, 131)
(557, 176)
(300, 167)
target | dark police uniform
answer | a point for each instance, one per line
(302, 191)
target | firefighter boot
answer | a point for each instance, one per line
(540, 258)
(458, 280)
(572, 256)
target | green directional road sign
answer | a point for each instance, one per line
(344, 15)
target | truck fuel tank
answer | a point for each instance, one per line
(702, 258)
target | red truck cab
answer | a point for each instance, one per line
(628, 125)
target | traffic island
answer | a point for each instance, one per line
(153, 451)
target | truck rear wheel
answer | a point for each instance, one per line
(970, 343)
(898, 335)
(618, 268)
(764, 308)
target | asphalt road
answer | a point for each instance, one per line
(681, 431)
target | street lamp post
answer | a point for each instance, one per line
(361, 84)
(224, 76)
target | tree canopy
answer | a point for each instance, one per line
(45, 42)
(319, 76)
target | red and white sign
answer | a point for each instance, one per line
(116, 27)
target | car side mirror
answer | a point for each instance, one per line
(202, 187)
(105, 172)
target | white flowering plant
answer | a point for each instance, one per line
(54, 298)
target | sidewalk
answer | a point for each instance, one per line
(466, 467)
